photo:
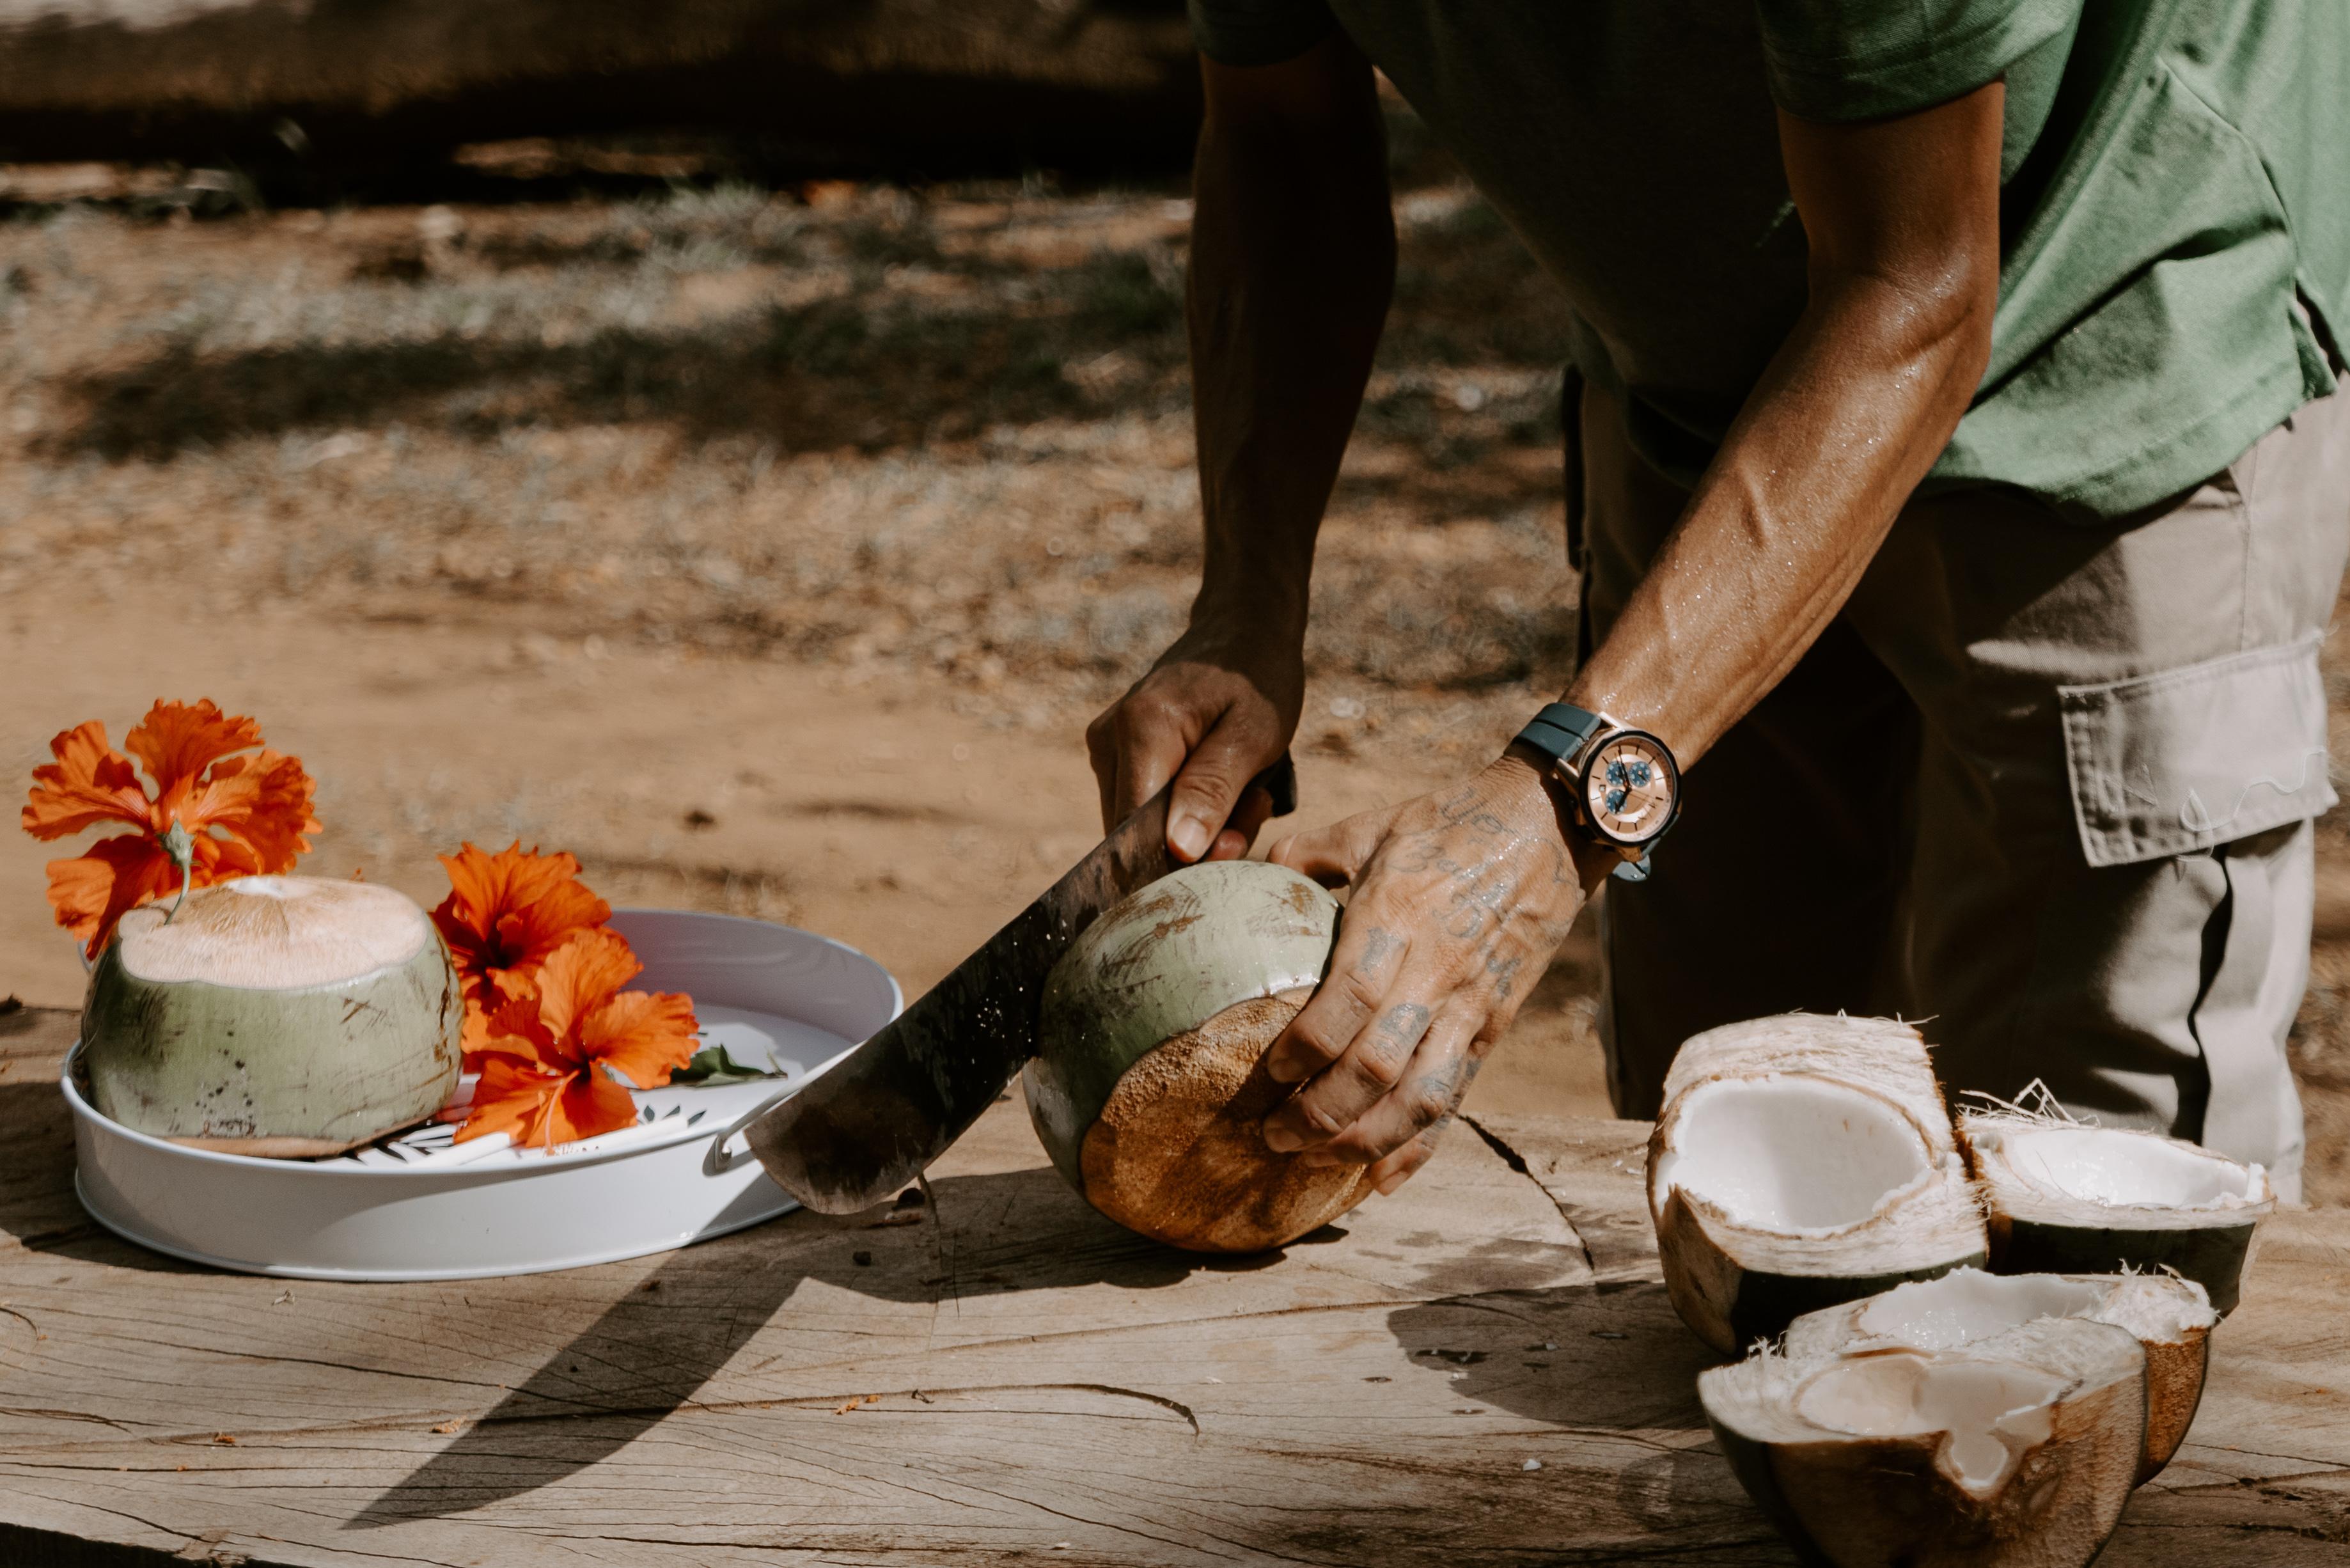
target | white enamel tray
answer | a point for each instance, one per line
(423, 1210)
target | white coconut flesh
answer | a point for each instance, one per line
(1968, 1304)
(1989, 1412)
(275, 933)
(1797, 1155)
(274, 1016)
(2119, 1169)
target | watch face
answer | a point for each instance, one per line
(1628, 788)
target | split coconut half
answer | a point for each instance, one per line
(2068, 1197)
(1149, 1090)
(1802, 1161)
(2015, 1450)
(286, 1016)
(2171, 1318)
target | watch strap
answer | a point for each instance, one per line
(1561, 730)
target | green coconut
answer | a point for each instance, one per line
(1150, 1088)
(286, 1016)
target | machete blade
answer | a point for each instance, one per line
(869, 1126)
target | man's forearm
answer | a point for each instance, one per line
(1852, 410)
(1783, 523)
(1292, 262)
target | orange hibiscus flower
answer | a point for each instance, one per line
(544, 1079)
(506, 914)
(212, 815)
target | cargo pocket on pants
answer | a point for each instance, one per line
(2181, 761)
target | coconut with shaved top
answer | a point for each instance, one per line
(2170, 1317)
(1149, 1088)
(2070, 1197)
(285, 1016)
(1802, 1161)
(2013, 1449)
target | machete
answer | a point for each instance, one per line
(865, 1127)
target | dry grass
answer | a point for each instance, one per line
(737, 421)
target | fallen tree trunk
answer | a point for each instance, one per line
(958, 81)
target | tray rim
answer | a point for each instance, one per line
(619, 1254)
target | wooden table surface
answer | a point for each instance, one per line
(1483, 1369)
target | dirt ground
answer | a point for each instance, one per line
(768, 549)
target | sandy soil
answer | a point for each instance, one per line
(767, 549)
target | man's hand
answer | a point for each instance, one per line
(1460, 899)
(1214, 711)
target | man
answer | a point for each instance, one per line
(1957, 497)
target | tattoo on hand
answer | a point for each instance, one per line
(1402, 1025)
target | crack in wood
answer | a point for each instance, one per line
(39, 1414)
(1517, 1162)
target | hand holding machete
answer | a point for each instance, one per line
(874, 1121)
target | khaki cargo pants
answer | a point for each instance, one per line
(2046, 783)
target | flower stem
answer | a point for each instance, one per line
(181, 847)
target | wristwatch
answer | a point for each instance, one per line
(1623, 783)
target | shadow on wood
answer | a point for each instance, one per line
(653, 1350)
(1610, 1359)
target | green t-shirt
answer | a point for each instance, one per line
(2175, 211)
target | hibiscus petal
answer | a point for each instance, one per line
(461, 915)
(514, 1029)
(466, 953)
(219, 860)
(513, 1097)
(98, 887)
(645, 1035)
(533, 930)
(484, 886)
(587, 969)
(89, 783)
(590, 1103)
(263, 802)
(178, 740)
(506, 912)
(510, 984)
(474, 1040)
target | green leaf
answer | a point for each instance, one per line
(712, 1065)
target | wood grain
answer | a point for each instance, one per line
(1031, 1384)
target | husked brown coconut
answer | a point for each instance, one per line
(2066, 1197)
(1148, 1089)
(1801, 1161)
(2171, 1318)
(2017, 1450)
